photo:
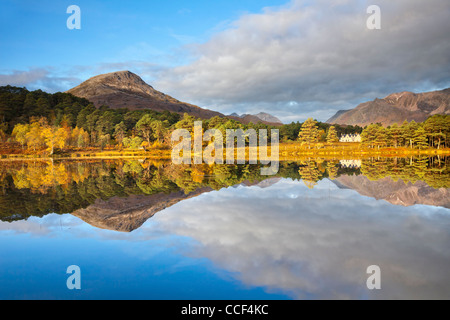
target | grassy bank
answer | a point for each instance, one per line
(287, 152)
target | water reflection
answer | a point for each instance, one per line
(309, 232)
(318, 243)
(286, 238)
(128, 189)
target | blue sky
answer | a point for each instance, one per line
(112, 31)
(294, 59)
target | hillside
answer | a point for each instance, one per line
(396, 108)
(125, 89)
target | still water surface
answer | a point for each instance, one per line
(308, 233)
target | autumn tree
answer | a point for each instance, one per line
(309, 132)
(34, 137)
(54, 137)
(20, 133)
(332, 135)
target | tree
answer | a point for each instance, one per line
(369, 134)
(309, 133)
(436, 127)
(410, 129)
(158, 130)
(381, 136)
(106, 122)
(420, 138)
(91, 120)
(3, 134)
(54, 137)
(332, 135)
(132, 143)
(20, 133)
(119, 132)
(82, 115)
(186, 123)
(395, 133)
(34, 137)
(145, 127)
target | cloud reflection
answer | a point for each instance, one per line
(292, 240)
(318, 243)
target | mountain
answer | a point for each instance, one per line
(255, 118)
(124, 89)
(396, 108)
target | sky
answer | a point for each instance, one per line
(294, 59)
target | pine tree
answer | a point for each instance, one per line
(309, 132)
(381, 136)
(369, 135)
(410, 130)
(420, 138)
(395, 133)
(332, 135)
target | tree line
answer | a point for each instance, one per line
(42, 122)
(432, 133)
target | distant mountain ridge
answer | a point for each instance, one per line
(396, 108)
(255, 118)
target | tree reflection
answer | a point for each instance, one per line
(42, 187)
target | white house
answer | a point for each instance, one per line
(350, 138)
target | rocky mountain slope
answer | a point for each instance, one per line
(396, 108)
(125, 89)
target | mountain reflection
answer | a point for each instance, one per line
(122, 195)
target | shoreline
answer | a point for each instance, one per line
(287, 152)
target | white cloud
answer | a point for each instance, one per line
(320, 55)
(38, 78)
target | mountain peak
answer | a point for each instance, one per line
(122, 80)
(121, 76)
(125, 89)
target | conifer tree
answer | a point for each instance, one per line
(332, 135)
(309, 132)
